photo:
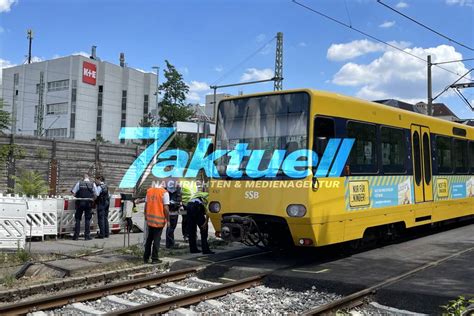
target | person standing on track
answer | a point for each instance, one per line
(174, 191)
(156, 216)
(85, 190)
(103, 203)
(197, 217)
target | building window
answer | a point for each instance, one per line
(460, 156)
(393, 150)
(363, 158)
(16, 79)
(124, 108)
(99, 110)
(56, 132)
(56, 108)
(444, 148)
(145, 104)
(58, 85)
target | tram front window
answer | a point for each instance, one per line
(264, 123)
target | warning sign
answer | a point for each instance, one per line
(359, 193)
(442, 187)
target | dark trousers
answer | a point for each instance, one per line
(87, 221)
(170, 231)
(184, 226)
(103, 219)
(152, 244)
(195, 221)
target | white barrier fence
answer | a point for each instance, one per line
(22, 217)
(12, 223)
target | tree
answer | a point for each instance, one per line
(31, 183)
(173, 105)
(148, 120)
(4, 117)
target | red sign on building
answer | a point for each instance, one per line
(89, 73)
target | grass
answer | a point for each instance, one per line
(458, 306)
(8, 280)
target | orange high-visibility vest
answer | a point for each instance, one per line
(155, 212)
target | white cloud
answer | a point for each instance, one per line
(197, 91)
(219, 68)
(36, 59)
(198, 86)
(387, 24)
(184, 70)
(260, 37)
(401, 5)
(302, 44)
(2, 29)
(82, 53)
(252, 74)
(468, 3)
(340, 52)
(5, 5)
(398, 75)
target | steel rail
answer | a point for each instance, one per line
(346, 300)
(95, 293)
(165, 305)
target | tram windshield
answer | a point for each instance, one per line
(264, 123)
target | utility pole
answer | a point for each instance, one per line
(278, 84)
(430, 96)
(30, 38)
(40, 109)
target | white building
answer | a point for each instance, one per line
(82, 98)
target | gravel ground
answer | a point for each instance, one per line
(104, 305)
(260, 300)
(268, 301)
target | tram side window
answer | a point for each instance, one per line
(323, 131)
(394, 154)
(444, 154)
(363, 158)
(460, 156)
(471, 156)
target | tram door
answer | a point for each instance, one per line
(422, 172)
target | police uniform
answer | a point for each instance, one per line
(155, 216)
(196, 212)
(103, 203)
(84, 189)
(175, 204)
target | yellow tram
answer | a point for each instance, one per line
(402, 169)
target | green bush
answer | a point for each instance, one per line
(458, 306)
(31, 183)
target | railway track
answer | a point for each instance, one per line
(83, 301)
(150, 295)
(357, 298)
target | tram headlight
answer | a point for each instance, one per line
(296, 210)
(214, 207)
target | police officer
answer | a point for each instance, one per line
(103, 203)
(85, 191)
(174, 190)
(197, 217)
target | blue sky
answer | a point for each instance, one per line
(208, 38)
